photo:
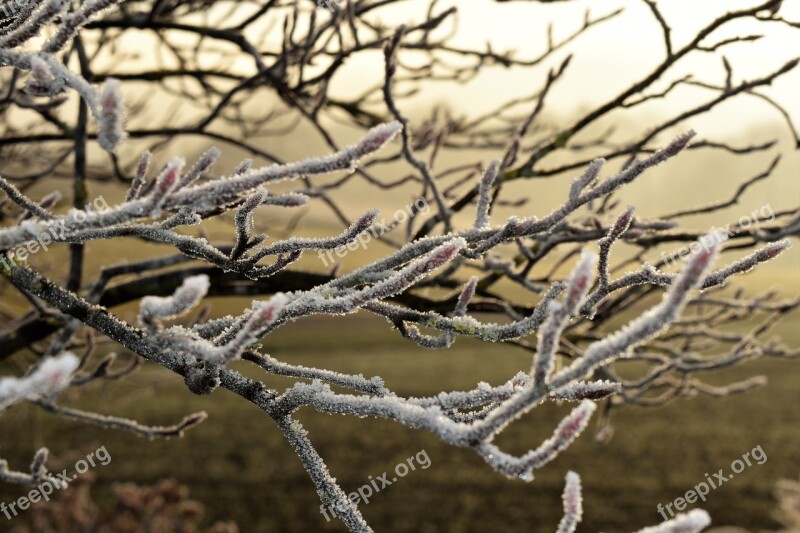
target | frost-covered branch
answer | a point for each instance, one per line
(38, 472)
(694, 521)
(495, 279)
(49, 378)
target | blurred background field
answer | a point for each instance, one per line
(239, 467)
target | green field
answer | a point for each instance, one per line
(239, 467)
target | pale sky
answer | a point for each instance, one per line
(611, 55)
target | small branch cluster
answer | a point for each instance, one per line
(37, 474)
(49, 76)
